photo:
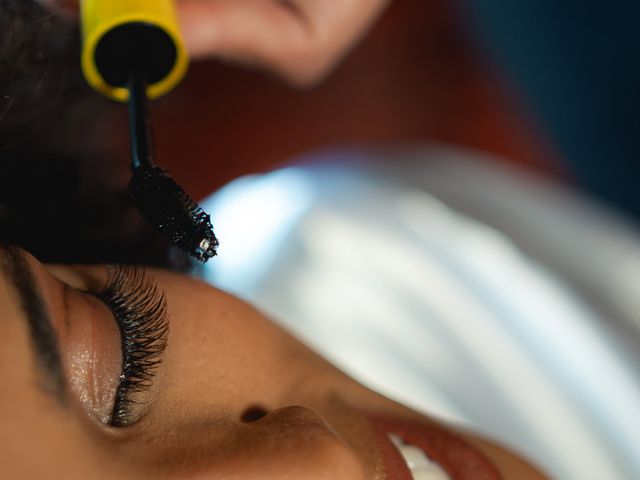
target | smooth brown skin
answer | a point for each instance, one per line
(223, 358)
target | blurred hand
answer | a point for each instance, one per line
(300, 40)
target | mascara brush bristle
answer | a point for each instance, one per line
(166, 206)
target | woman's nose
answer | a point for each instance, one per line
(292, 443)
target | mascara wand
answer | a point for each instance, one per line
(162, 202)
(133, 52)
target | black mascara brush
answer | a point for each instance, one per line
(162, 202)
(133, 51)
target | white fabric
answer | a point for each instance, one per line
(530, 337)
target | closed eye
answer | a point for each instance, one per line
(140, 310)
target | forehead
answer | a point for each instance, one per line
(12, 330)
(39, 440)
(19, 384)
(16, 361)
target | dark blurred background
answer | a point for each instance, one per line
(549, 86)
(553, 86)
(421, 75)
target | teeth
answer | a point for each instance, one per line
(414, 457)
(395, 439)
(422, 468)
(433, 472)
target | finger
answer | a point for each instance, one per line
(300, 40)
(253, 31)
(338, 26)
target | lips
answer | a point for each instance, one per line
(451, 454)
(421, 466)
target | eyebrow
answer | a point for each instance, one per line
(43, 337)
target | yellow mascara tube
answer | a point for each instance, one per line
(121, 36)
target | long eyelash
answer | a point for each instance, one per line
(140, 310)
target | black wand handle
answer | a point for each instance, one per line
(142, 151)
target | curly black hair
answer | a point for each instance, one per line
(62, 193)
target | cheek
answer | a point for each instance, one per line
(221, 355)
(224, 357)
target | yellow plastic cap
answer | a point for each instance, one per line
(105, 20)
